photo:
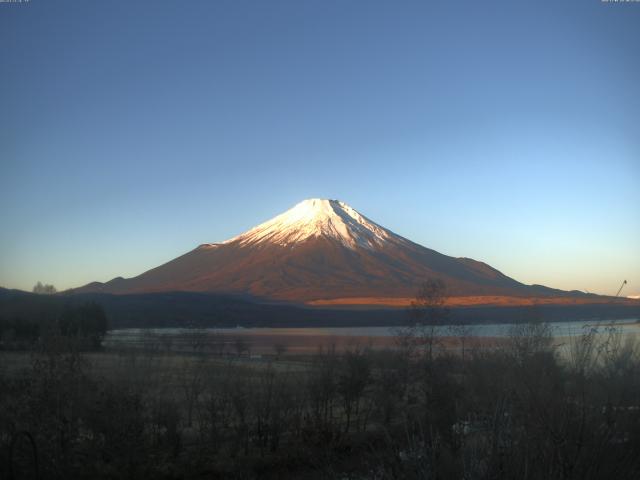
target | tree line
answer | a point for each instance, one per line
(87, 322)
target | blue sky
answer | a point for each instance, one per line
(509, 132)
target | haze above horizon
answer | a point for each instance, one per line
(502, 131)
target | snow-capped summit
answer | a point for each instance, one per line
(318, 217)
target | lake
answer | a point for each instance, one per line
(305, 340)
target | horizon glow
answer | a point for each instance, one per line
(135, 131)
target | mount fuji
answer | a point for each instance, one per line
(321, 252)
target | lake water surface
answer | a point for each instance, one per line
(304, 339)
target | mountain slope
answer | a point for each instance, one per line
(319, 249)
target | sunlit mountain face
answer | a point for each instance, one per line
(321, 251)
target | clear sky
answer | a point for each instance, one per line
(506, 131)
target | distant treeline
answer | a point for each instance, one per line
(27, 318)
(191, 309)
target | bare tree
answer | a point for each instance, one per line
(531, 337)
(280, 349)
(429, 312)
(45, 289)
(461, 332)
(353, 378)
(241, 346)
(192, 383)
(196, 338)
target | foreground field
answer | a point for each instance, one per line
(512, 410)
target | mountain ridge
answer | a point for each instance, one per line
(320, 250)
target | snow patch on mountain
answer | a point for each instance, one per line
(319, 218)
